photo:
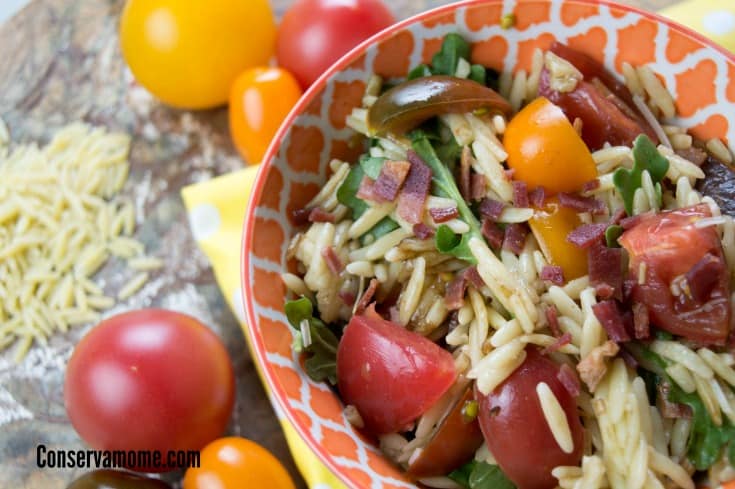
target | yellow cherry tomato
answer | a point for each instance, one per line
(545, 150)
(235, 463)
(188, 52)
(260, 99)
(550, 226)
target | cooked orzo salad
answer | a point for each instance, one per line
(526, 280)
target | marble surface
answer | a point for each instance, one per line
(60, 62)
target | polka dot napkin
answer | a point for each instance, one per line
(217, 207)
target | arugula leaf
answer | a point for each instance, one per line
(383, 227)
(321, 363)
(478, 73)
(419, 72)
(445, 61)
(449, 152)
(347, 192)
(645, 157)
(612, 233)
(443, 181)
(481, 475)
(371, 165)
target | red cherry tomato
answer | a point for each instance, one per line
(516, 430)
(149, 380)
(391, 375)
(673, 248)
(316, 33)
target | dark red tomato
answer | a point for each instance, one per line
(516, 430)
(314, 34)
(391, 375)
(673, 249)
(149, 380)
(115, 479)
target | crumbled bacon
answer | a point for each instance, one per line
(332, 260)
(520, 194)
(444, 214)
(552, 317)
(593, 184)
(474, 277)
(509, 173)
(605, 267)
(587, 234)
(367, 296)
(560, 342)
(391, 177)
(465, 163)
(366, 191)
(493, 233)
(491, 208)
(347, 297)
(617, 216)
(693, 154)
(299, 217)
(703, 277)
(631, 221)
(569, 379)
(580, 203)
(415, 190)
(537, 197)
(629, 359)
(454, 296)
(592, 368)
(515, 238)
(641, 324)
(478, 186)
(553, 274)
(318, 214)
(422, 231)
(611, 319)
(670, 410)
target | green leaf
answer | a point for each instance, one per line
(419, 72)
(612, 233)
(481, 475)
(297, 310)
(321, 367)
(445, 61)
(462, 475)
(453, 244)
(347, 192)
(371, 165)
(449, 152)
(478, 73)
(645, 157)
(383, 227)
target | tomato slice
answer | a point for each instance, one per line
(516, 430)
(673, 249)
(391, 375)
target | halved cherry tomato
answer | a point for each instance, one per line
(545, 150)
(551, 226)
(673, 249)
(316, 33)
(390, 374)
(516, 430)
(260, 99)
(234, 463)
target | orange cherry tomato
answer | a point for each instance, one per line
(260, 99)
(550, 226)
(234, 463)
(545, 150)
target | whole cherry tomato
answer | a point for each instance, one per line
(149, 380)
(316, 33)
(234, 463)
(116, 479)
(188, 53)
(260, 99)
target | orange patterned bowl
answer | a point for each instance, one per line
(700, 75)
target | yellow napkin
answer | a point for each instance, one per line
(712, 18)
(216, 212)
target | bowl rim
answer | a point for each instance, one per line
(255, 342)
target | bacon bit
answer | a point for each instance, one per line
(367, 296)
(332, 260)
(580, 203)
(641, 326)
(703, 277)
(479, 186)
(629, 359)
(422, 231)
(318, 214)
(465, 163)
(515, 238)
(509, 173)
(569, 379)
(670, 410)
(415, 190)
(473, 276)
(587, 234)
(605, 266)
(553, 274)
(592, 368)
(560, 342)
(631, 221)
(693, 154)
(520, 194)
(444, 214)
(537, 197)
(366, 191)
(492, 233)
(608, 314)
(591, 185)
(491, 208)
(391, 177)
(347, 297)
(552, 317)
(300, 217)
(617, 216)
(454, 296)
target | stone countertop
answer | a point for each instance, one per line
(60, 62)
